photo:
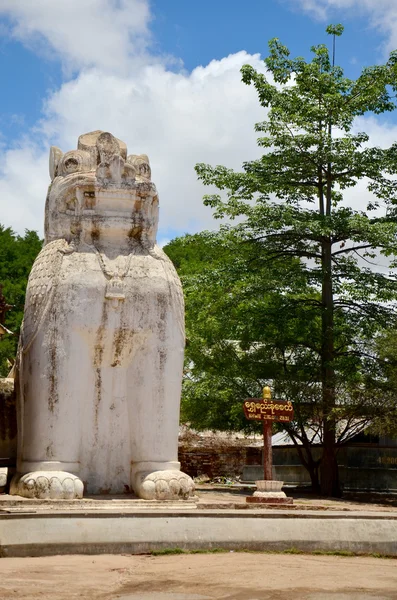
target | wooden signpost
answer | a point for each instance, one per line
(267, 410)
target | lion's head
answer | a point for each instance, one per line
(98, 190)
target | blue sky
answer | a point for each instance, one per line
(199, 32)
(164, 76)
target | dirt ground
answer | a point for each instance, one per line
(226, 576)
(230, 576)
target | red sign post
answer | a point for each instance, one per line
(267, 410)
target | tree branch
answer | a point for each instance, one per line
(354, 248)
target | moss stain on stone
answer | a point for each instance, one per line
(49, 451)
(162, 305)
(53, 370)
(98, 359)
(121, 335)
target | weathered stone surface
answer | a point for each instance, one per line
(101, 352)
(273, 486)
(45, 484)
(164, 485)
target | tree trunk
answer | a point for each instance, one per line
(329, 479)
(309, 463)
(312, 468)
(329, 470)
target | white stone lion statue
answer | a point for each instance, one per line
(100, 360)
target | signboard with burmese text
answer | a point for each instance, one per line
(260, 409)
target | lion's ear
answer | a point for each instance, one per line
(55, 157)
(141, 164)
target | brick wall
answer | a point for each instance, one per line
(227, 461)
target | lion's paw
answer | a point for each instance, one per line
(51, 485)
(164, 485)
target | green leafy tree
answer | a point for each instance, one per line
(234, 324)
(252, 320)
(17, 254)
(291, 202)
(386, 349)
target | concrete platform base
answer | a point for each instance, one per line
(268, 500)
(39, 530)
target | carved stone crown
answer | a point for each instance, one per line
(99, 183)
(102, 153)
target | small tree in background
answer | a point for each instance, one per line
(17, 254)
(291, 204)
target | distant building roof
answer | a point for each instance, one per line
(283, 439)
(355, 435)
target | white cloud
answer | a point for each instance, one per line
(23, 187)
(382, 13)
(177, 119)
(380, 134)
(317, 8)
(83, 33)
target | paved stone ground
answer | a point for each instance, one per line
(236, 494)
(230, 576)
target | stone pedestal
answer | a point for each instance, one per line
(269, 492)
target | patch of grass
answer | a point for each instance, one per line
(334, 553)
(166, 551)
(209, 551)
(292, 551)
(343, 553)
